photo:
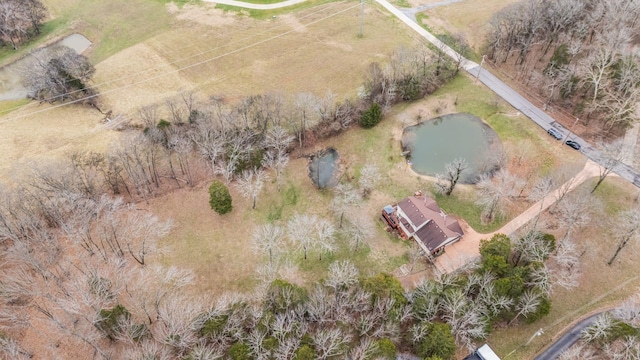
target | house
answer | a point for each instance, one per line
(483, 353)
(419, 217)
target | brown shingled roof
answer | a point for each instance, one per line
(419, 210)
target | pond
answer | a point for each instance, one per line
(11, 87)
(434, 143)
(323, 168)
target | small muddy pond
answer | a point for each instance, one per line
(323, 168)
(436, 142)
(11, 87)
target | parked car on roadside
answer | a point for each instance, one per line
(573, 144)
(555, 133)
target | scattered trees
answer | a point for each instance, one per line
(18, 18)
(219, 197)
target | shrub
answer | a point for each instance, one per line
(305, 353)
(542, 310)
(386, 350)
(439, 342)
(283, 296)
(219, 197)
(239, 351)
(110, 320)
(384, 285)
(371, 117)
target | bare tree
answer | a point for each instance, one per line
(567, 271)
(626, 228)
(278, 161)
(251, 184)
(574, 212)
(342, 274)
(345, 196)
(527, 304)
(359, 230)
(599, 329)
(324, 237)
(330, 342)
(577, 351)
(595, 67)
(269, 238)
(494, 194)
(58, 74)
(453, 170)
(540, 191)
(610, 156)
(369, 177)
(300, 231)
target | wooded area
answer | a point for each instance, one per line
(579, 55)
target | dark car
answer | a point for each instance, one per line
(573, 144)
(555, 133)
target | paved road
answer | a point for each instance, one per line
(246, 5)
(569, 338)
(513, 97)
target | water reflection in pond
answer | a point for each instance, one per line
(437, 142)
(11, 87)
(323, 169)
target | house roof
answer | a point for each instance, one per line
(431, 235)
(432, 226)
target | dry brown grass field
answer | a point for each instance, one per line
(314, 50)
(469, 17)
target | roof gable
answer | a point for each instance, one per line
(432, 226)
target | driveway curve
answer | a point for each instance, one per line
(567, 339)
(246, 5)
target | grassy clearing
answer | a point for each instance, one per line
(470, 18)
(263, 1)
(268, 14)
(600, 285)
(111, 25)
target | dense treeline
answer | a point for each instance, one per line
(581, 55)
(20, 20)
(188, 138)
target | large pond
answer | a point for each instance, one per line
(11, 87)
(433, 144)
(323, 168)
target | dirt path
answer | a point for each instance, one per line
(246, 5)
(461, 253)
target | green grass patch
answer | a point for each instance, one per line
(112, 25)
(8, 54)
(12, 105)
(180, 3)
(266, 14)
(401, 3)
(467, 209)
(262, 1)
